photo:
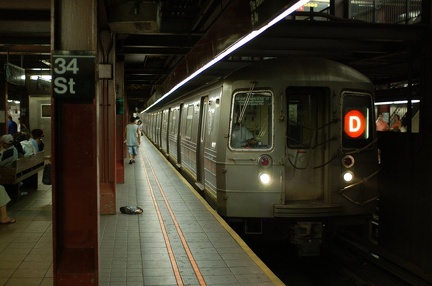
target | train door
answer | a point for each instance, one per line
(164, 131)
(180, 134)
(201, 144)
(307, 137)
(152, 127)
(173, 132)
(158, 128)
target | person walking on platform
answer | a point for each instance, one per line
(139, 123)
(132, 139)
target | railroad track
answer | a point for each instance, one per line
(378, 264)
(342, 262)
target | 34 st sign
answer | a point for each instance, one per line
(73, 74)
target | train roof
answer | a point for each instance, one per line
(299, 69)
(287, 69)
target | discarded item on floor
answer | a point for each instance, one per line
(131, 210)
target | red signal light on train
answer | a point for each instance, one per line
(348, 161)
(354, 123)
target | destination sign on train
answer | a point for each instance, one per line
(354, 124)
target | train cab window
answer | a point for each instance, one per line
(251, 119)
(357, 119)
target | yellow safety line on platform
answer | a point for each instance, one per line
(177, 226)
(273, 278)
(164, 232)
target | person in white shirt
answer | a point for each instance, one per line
(28, 148)
(241, 137)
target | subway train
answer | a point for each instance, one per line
(280, 144)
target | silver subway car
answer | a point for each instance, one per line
(286, 140)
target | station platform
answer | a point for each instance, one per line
(177, 240)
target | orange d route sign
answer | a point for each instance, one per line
(354, 123)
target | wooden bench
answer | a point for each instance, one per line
(24, 170)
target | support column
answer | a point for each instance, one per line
(75, 142)
(3, 104)
(107, 123)
(120, 122)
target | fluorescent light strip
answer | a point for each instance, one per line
(396, 102)
(42, 77)
(234, 47)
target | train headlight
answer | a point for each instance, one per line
(348, 176)
(264, 178)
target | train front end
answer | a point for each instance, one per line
(331, 162)
(301, 150)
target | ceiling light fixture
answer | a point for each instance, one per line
(233, 47)
(396, 102)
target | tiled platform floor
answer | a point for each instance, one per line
(134, 248)
(26, 246)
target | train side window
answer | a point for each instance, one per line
(165, 120)
(189, 121)
(251, 119)
(174, 122)
(213, 117)
(301, 121)
(295, 111)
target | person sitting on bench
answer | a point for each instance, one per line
(9, 153)
(4, 199)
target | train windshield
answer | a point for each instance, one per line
(252, 118)
(357, 119)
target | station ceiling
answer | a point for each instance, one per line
(163, 42)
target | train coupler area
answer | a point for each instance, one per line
(253, 226)
(307, 236)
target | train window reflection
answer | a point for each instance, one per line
(306, 116)
(252, 119)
